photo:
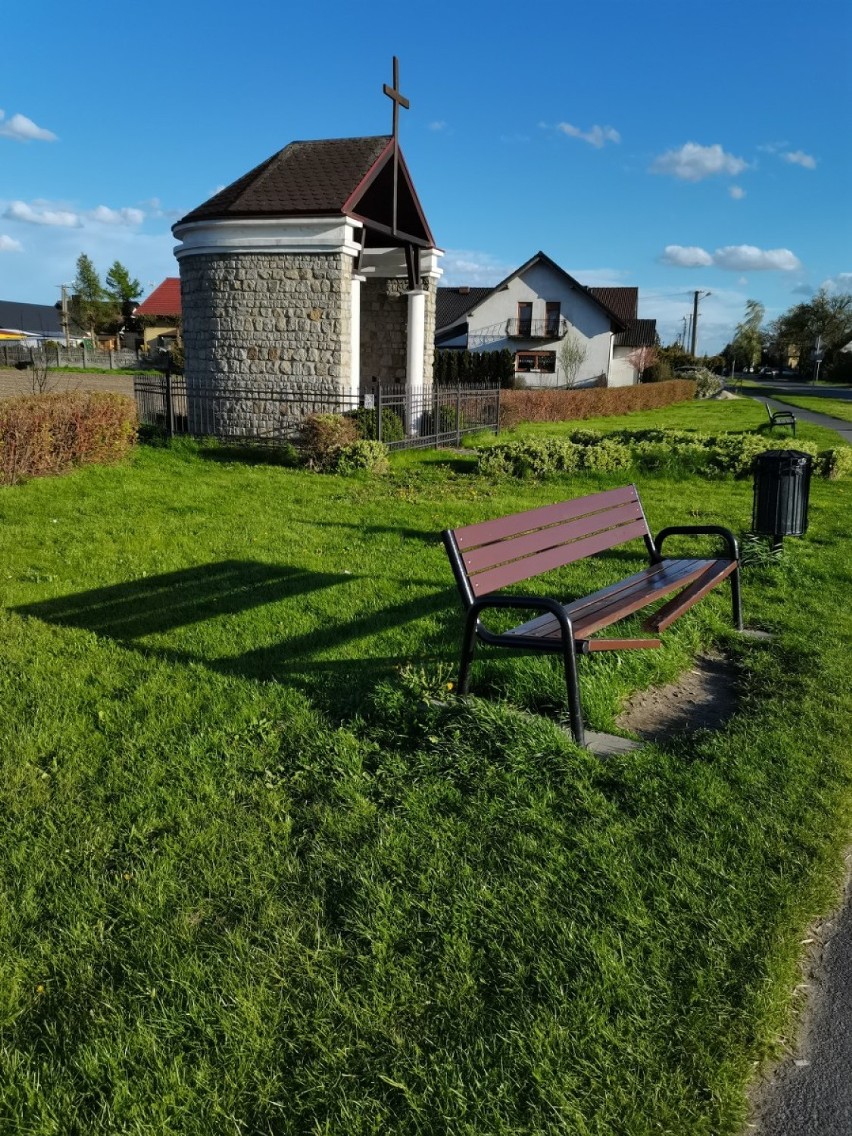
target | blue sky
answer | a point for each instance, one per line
(667, 145)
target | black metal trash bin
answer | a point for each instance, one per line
(782, 483)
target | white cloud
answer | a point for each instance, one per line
(800, 158)
(734, 258)
(106, 216)
(747, 258)
(737, 192)
(63, 218)
(694, 163)
(840, 282)
(599, 277)
(686, 257)
(438, 125)
(23, 129)
(9, 244)
(478, 269)
(598, 136)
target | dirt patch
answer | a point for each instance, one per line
(703, 698)
(14, 382)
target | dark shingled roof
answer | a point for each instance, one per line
(623, 302)
(640, 333)
(36, 319)
(453, 303)
(305, 178)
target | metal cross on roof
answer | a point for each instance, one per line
(398, 99)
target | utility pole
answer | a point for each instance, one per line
(696, 297)
(64, 314)
(684, 320)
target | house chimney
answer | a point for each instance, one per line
(464, 291)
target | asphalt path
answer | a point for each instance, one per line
(810, 1092)
(844, 429)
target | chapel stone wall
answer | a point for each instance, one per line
(280, 321)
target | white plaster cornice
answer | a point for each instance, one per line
(268, 235)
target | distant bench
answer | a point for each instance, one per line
(781, 418)
(496, 554)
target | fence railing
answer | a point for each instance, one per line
(272, 414)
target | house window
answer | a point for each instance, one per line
(536, 361)
(552, 311)
(525, 319)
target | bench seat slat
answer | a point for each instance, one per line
(609, 605)
(485, 532)
(541, 562)
(500, 552)
(669, 612)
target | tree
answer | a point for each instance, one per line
(642, 357)
(572, 355)
(748, 341)
(825, 320)
(88, 296)
(123, 290)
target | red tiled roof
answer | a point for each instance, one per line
(163, 301)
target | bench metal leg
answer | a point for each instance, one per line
(736, 599)
(468, 647)
(572, 682)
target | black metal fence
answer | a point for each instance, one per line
(272, 414)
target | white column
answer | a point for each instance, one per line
(355, 335)
(416, 337)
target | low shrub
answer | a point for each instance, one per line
(323, 435)
(836, 463)
(534, 458)
(368, 421)
(363, 455)
(723, 455)
(591, 402)
(51, 433)
(706, 383)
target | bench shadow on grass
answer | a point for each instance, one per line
(130, 611)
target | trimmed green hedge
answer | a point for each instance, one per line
(714, 455)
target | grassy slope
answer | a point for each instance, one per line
(229, 905)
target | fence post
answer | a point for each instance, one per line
(458, 415)
(379, 413)
(170, 410)
(436, 414)
(111, 359)
(497, 423)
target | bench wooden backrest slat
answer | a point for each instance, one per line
(471, 536)
(502, 551)
(524, 569)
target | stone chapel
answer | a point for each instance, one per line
(316, 273)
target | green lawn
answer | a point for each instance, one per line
(262, 873)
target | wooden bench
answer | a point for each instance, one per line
(495, 554)
(781, 418)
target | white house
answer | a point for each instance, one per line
(534, 312)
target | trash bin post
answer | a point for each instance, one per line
(782, 481)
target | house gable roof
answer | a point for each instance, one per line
(620, 323)
(623, 301)
(163, 301)
(454, 303)
(330, 176)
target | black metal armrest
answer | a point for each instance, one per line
(537, 603)
(701, 530)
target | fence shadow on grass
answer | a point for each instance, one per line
(157, 604)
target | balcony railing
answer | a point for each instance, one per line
(554, 328)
